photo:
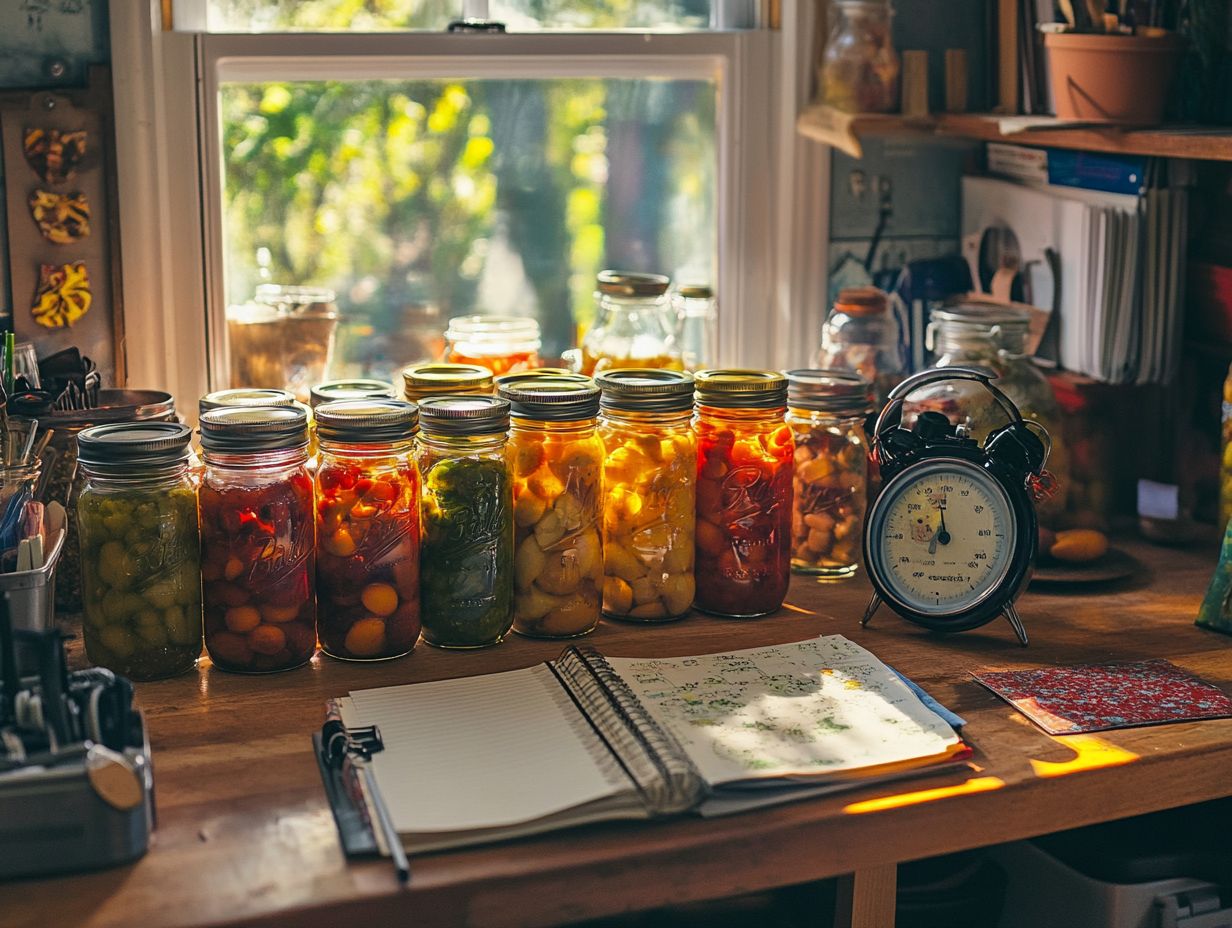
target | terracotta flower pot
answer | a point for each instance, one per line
(1111, 78)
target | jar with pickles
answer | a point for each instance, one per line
(466, 558)
(557, 505)
(140, 552)
(636, 325)
(258, 539)
(367, 529)
(420, 381)
(649, 474)
(826, 411)
(502, 344)
(744, 491)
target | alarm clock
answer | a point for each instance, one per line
(951, 538)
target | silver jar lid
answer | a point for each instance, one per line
(838, 392)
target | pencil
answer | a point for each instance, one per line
(394, 843)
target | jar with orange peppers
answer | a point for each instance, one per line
(420, 381)
(649, 475)
(557, 505)
(826, 412)
(744, 491)
(500, 343)
(258, 563)
(367, 529)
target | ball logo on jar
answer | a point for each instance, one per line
(162, 555)
(476, 524)
(748, 500)
(384, 536)
(279, 558)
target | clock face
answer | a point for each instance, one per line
(941, 537)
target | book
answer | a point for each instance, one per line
(587, 738)
(1085, 170)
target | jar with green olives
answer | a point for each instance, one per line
(140, 551)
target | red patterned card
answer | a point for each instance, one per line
(1097, 697)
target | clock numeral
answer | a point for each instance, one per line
(918, 574)
(979, 508)
(980, 556)
(984, 532)
(964, 492)
(973, 563)
(904, 560)
(947, 489)
(914, 507)
(896, 536)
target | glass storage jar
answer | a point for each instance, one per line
(859, 67)
(140, 551)
(367, 529)
(500, 343)
(557, 505)
(635, 325)
(826, 411)
(862, 334)
(420, 381)
(699, 327)
(744, 491)
(334, 390)
(649, 476)
(258, 560)
(307, 325)
(466, 559)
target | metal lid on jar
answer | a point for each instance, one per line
(538, 373)
(861, 301)
(334, 390)
(370, 421)
(440, 377)
(739, 388)
(838, 392)
(696, 292)
(980, 316)
(645, 389)
(461, 415)
(245, 396)
(133, 444)
(244, 429)
(627, 283)
(552, 399)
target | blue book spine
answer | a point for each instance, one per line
(1094, 171)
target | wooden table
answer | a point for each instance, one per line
(245, 835)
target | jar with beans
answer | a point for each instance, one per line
(258, 533)
(420, 381)
(650, 474)
(557, 505)
(466, 588)
(744, 492)
(367, 529)
(140, 553)
(826, 412)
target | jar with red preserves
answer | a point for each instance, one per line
(744, 492)
(258, 564)
(367, 529)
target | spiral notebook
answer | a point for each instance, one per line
(587, 738)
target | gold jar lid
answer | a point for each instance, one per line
(627, 283)
(740, 388)
(438, 378)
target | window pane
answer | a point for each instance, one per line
(419, 201)
(436, 15)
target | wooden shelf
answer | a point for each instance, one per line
(844, 131)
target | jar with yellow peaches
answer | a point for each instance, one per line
(440, 378)
(826, 412)
(744, 492)
(557, 505)
(649, 476)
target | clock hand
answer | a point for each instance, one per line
(942, 535)
(932, 543)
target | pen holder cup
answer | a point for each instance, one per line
(32, 593)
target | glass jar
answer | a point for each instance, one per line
(859, 67)
(650, 474)
(744, 492)
(334, 390)
(826, 411)
(862, 334)
(420, 381)
(635, 326)
(557, 505)
(307, 323)
(140, 551)
(367, 529)
(466, 589)
(258, 562)
(500, 343)
(699, 327)
(994, 337)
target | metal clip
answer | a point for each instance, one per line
(339, 741)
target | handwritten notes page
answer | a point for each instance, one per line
(813, 708)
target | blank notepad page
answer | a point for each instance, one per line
(480, 752)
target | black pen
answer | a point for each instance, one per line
(401, 864)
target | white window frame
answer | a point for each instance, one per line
(772, 205)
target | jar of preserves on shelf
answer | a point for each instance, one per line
(334, 390)
(500, 343)
(437, 378)
(258, 534)
(826, 411)
(635, 326)
(466, 559)
(557, 505)
(862, 334)
(367, 529)
(140, 551)
(859, 67)
(744, 492)
(649, 475)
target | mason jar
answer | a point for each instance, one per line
(140, 551)
(466, 560)
(635, 325)
(258, 538)
(502, 344)
(863, 334)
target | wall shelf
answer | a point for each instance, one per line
(844, 131)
